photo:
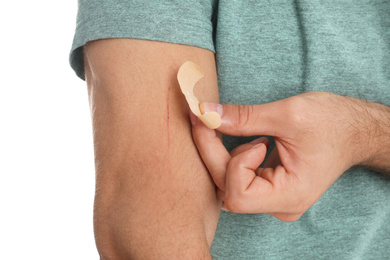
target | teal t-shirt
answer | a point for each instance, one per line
(265, 51)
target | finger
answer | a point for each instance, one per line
(247, 120)
(241, 149)
(240, 175)
(213, 152)
(251, 190)
(273, 159)
(280, 197)
(220, 195)
(265, 173)
(247, 146)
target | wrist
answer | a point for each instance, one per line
(372, 135)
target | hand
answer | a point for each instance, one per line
(317, 136)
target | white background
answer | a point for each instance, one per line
(46, 151)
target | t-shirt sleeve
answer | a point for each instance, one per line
(175, 21)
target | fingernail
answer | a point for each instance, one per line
(211, 107)
(258, 145)
(193, 118)
(259, 140)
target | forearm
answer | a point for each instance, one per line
(154, 197)
(373, 136)
(152, 206)
(146, 211)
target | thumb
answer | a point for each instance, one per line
(244, 120)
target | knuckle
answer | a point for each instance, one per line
(296, 109)
(291, 109)
(234, 203)
(244, 113)
(234, 164)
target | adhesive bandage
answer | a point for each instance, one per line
(189, 74)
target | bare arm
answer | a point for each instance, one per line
(154, 196)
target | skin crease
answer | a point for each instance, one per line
(318, 136)
(154, 196)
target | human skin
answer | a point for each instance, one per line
(318, 136)
(154, 196)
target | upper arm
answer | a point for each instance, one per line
(150, 178)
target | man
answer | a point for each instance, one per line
(155, 198)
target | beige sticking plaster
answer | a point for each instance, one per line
(189, 74)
